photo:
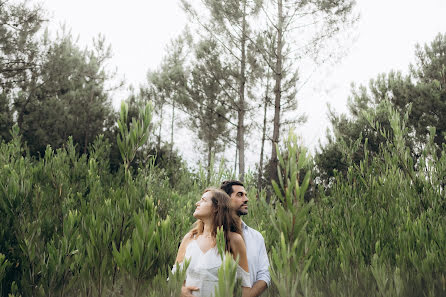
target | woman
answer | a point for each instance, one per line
(199, 245)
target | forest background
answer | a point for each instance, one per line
(137, 48)
(94, 202)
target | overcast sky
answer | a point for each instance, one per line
(139, 31)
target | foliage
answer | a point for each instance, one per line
(227, 283)
(132, 138)
(195, 84)
(268, 180)
(51, 87)
(67, 96)
(282, 52)
(377, 233)
(422, 93)
(228, 26)
(19, 54)
(208, 112)
(291, 254)
(19, 24)
(75, 228)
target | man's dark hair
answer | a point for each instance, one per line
(227, 186)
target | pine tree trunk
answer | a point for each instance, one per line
(277, 91)
(241, 111)
(171, 128)
(159, 129)
(88, 120)
(209, 161)
(235, 160)
(265, 108)
(241, 144)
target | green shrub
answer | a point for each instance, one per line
(71, 227)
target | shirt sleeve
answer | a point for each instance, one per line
(244, 277)
(263, 271)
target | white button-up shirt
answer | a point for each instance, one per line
(258, 262)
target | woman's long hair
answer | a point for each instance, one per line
(223, 216)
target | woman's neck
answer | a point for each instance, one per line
(207, 229)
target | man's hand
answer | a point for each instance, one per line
(187, 291)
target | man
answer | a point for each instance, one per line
(255, 245)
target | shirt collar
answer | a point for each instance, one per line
(244, 226)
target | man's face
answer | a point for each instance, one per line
(239, 200)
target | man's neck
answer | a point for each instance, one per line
(242, 224)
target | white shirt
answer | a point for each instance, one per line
(258, 262)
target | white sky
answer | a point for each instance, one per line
(139, 31)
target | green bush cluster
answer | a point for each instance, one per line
(378, 231)
(72, 227)
(381, 230)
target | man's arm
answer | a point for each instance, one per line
(258, 288)
(263, 278)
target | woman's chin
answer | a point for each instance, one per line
(199, 216)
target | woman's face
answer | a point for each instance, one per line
(204, 206)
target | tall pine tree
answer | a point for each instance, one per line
(230, 23)
(299, 29)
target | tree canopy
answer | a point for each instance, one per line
(51, 87)
(421, 93)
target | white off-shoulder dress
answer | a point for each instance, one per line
(203, 270)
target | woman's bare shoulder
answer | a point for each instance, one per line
(238, 248)
(183, 245)
(236, 240)
(188, 237)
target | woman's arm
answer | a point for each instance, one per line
(185, 291)
(238, 248)
(182, 249)
(239, 251)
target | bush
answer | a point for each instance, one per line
(71, 227)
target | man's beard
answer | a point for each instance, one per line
(242, 212)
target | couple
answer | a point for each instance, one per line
(223, 207)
